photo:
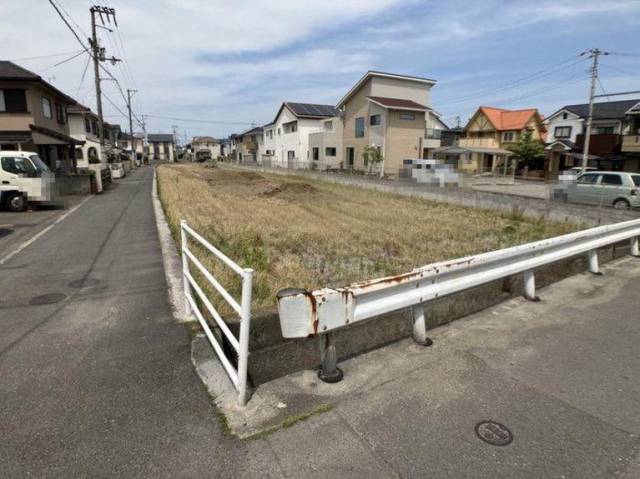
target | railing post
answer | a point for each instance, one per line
(635, 246)
(420, 327)
(329, 370)
(594, 268)
(245, 324)
(530, 286)
(185, 266)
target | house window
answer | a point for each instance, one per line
(87, 125)
(290, 127)
(359, 127)
(374, 120)
(564, 116)
(79, 153)
(13, 101)
(407, 115)
(94, 127)
(508, 136)
(291, 154)
(562, 132)
(604, 130)
(46, 107)
(278, 131)
(60, 113)
(269, 134)
(328, 151)
(328, 125)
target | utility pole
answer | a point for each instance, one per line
(133, 148)
(98, 54)
(175, 142)
(145, 140)
(593, 53)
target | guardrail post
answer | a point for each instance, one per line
(185, 266)
(245, 324)
(530, 286)
(594, 268)
(635, 246)
(420, 327)
(329, 370)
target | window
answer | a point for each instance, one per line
(18, 166)
(87, 125)
(269, 134)
(79, 153)
(278, 131)
(94, 127)
(291, 154)
(562, 132)
(328, 151)
(588, 179)
(374, 120)
(13, 101)
(611, 180)
(359, 127)
(328, 125)
(564, 117)
(508, 136)
(636, 180)
(407, 115)
(60, 113)
(290, 127)
(604, 130)
(46, 107)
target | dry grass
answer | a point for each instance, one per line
(300, 233)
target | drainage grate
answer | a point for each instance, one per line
(494, 433)
(84, 283)
(50, 298)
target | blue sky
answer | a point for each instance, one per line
(235, 62)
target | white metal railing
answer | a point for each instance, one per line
(309, 313)
(240, 345)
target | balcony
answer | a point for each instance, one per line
(602, 144)
(479, 143)
(631, 143)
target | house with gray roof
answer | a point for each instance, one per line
(613, 145)
(161, 146)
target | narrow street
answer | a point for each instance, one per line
(95, 374)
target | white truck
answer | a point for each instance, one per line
(24, 178)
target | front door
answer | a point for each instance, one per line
(351, 156)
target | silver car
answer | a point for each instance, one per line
(606, 188)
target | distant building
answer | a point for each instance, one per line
(161, 146)
(326, 145)
(206, 143)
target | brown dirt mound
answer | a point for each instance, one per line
(250, 175)
(290, 188)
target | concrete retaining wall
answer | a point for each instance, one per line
(73, 185)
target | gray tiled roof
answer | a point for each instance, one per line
(603, 111)
(160, 137)
(11, 71)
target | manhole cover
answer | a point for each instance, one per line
(83, 283)
(47, 298)
(494, 433)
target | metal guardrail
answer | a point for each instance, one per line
(240, 345)
(309, 313)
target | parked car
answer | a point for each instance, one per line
(605, 188)
(24, 178)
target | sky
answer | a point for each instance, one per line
(230, 64)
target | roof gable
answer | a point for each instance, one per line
(503, 120)
(371, 73)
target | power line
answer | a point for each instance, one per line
(52, 55)
(194, 120)
(68, 24)
(66, 60)
(625, 54)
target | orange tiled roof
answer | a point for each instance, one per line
(508, 119)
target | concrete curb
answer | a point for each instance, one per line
(170, 258)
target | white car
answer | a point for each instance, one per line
(24, 177)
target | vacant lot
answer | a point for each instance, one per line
(300, 233)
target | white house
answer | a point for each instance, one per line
(83, 126)
(288, 135)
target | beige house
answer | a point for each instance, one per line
(206, 143)
(388, 112)
(488, 135)
(161, 146)
(33, 117)
(325, 145)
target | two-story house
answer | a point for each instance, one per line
(83, 126)
(288, 135)
(33, 117)
(250, 145)
(325, 145)
(161, 146)
(631, 139)
(206, 143)
(611, 125)
(390, 112)
(488, 135)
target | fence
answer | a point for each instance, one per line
(243, 308)
(309, 313)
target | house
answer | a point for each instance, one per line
(611, 143)
(487, 137)
(33, 117)
(161, 146)
(389, 112)
(250, 145)
(83, 126)
(436, 132)
(326, 145)
(135, 144)
(288, 135)
(206, 143)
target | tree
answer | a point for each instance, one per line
(527, 151)
(372, 157)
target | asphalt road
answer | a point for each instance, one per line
(96, 378)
